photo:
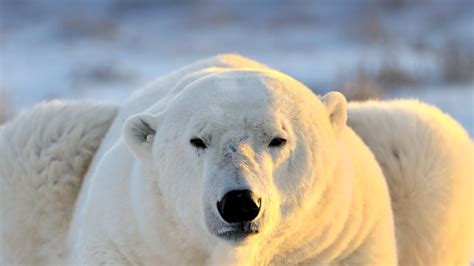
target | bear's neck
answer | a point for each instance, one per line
(322, 235)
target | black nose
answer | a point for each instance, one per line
(239, 206)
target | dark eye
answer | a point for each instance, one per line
(277, 142)
(198, 143)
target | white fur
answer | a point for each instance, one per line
(149, 196)
(45, 153)
(146, 197)
(427, 159)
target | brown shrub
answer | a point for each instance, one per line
(456, 62)
(392, 75)
(81, 25)
(362, 88)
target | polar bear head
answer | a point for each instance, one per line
(239, 155)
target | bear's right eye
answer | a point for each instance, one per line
(198, 143)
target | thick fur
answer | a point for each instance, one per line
(44, 154)
(427, 159)
(150, 196)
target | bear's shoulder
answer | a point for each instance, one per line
(396, 119)
(44, 154)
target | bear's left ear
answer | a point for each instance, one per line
(139, 133)
(336, 106)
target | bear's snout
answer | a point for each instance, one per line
(239, 206)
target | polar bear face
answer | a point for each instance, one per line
(237, 155)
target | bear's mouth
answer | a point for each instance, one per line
(238, 231)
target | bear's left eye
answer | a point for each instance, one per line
(198, 143)
(277, 142)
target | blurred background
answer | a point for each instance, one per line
(104, 49)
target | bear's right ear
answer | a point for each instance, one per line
(139, 133)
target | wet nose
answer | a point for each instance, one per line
(239, 206)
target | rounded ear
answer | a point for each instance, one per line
(336, 106)
(139, 133)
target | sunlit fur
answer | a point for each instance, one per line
(151, 200)
(427, 159)
(44, 154)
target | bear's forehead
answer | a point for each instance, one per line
(228, 88)
(221, 119)
(245, 86)
(239, 99)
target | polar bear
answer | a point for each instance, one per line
(231, 162)
(227, 161)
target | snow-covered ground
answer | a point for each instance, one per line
(103, 49)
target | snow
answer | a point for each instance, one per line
(104, 49)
